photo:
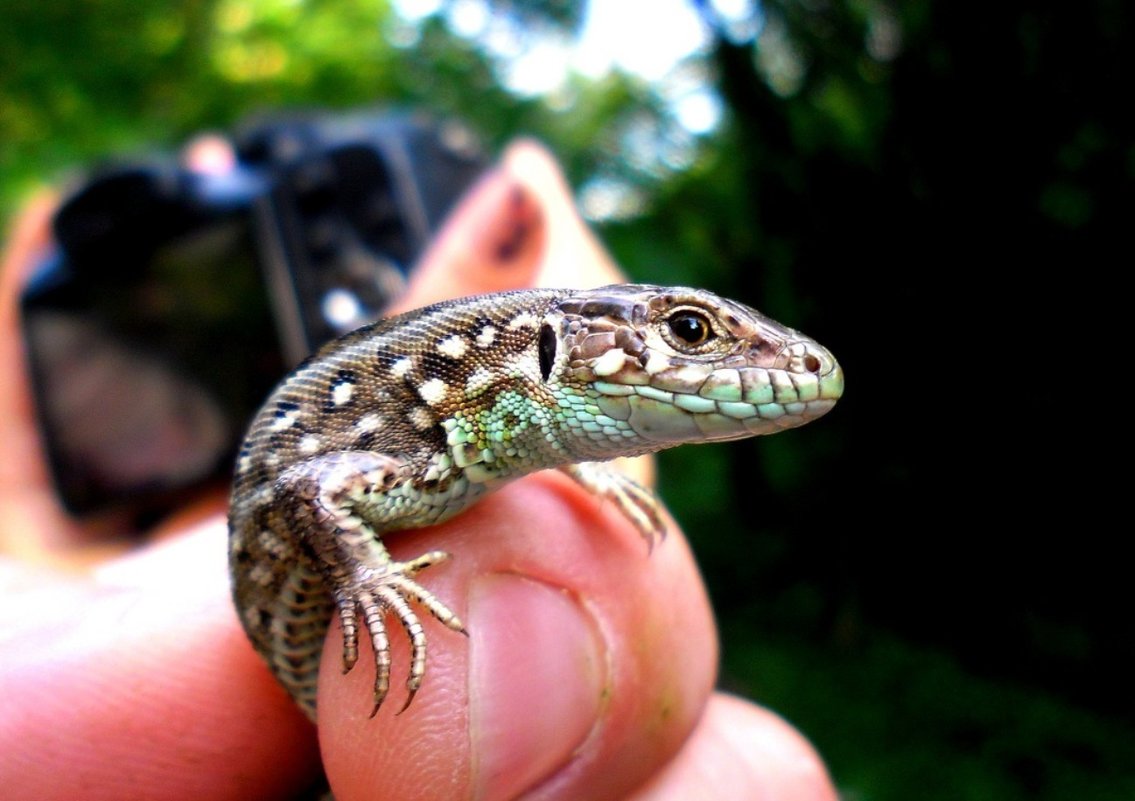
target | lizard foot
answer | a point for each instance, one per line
(638, 504)
(373, 594)
(330, 499)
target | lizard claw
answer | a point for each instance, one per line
(638, 504)
(391, 591)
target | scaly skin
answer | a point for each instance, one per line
(405, 423)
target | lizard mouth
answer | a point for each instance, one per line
(727, 400)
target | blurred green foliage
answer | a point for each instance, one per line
(923, 580)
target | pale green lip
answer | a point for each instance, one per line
(727, 403)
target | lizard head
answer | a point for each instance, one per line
(665, 365)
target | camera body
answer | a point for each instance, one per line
(174, 300)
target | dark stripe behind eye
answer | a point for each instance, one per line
(547, 350)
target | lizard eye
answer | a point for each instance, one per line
(691, 327)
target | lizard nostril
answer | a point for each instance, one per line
(812, 363)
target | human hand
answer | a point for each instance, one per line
(588, 672)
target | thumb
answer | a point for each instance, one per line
(588, 661)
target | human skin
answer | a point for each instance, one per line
(588, 671)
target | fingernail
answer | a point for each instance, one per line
(537, 674)
(513, 227)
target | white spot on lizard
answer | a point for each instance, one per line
(479, 380)
(342, 392)
(433, 391)
(420, 418)
(610, 362)
(486, 336)
(401, 367)
(369, 422)
(656, 362)
(452, 346)
(285, 420)
(523, 320)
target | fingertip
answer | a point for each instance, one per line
(785, 762)
(518, 226)
(33, 525)
(30, 235)
(530, 161)
(492, 241)
(741, 750)
(574, 256)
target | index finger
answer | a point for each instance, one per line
(32, 524)
(524, 231)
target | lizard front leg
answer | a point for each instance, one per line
(338, 504)
(637, 503)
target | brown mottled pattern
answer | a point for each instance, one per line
(407, 422)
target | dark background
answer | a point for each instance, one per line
(928, 581)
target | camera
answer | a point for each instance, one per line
(174, 300)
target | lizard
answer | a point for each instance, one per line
(404, 423)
